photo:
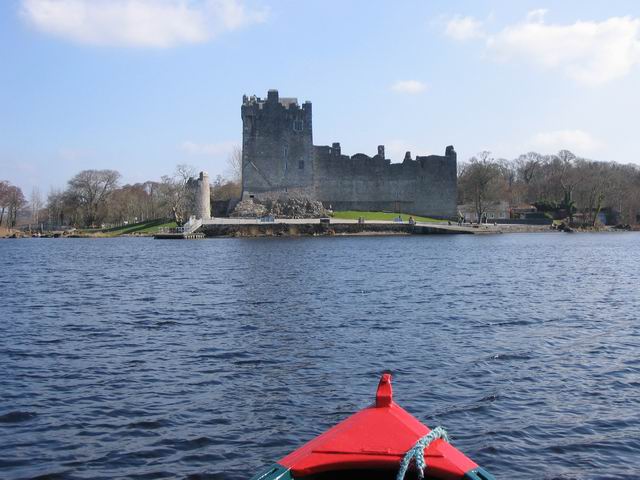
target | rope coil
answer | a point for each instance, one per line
(416, 453)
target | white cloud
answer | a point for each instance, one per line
(589, 52)
(221, 149)
(139, 23)
(578, 141)
(536, 16)
(464, 28)
(409, 86)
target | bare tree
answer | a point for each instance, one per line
(594, 184)
(567, 180)
(15, 202)
(91, 188)
(4, 198)
(177, 193)
(529, 175)
(624, 192)
(528, 166)
(480, 179)
(508, 180)
(234, 164)
(35, 201)
(55, 208)
(223, 189)
(153, 199)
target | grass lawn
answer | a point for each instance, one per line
(354, 214)
(145, 228)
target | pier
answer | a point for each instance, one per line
(189, 231)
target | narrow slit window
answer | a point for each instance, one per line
(285, 156)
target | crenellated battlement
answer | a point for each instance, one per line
(254, 102)
(332, 157)
(276, 111)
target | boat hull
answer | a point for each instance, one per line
(374, 440)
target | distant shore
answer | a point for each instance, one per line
(245, 228)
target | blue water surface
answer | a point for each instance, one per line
(143, 359)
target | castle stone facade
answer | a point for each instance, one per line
(279, 158)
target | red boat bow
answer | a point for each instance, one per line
(377, 438)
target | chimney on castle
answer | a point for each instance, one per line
(272, 96)
(381, 151)
(335, 149)
(407, 156)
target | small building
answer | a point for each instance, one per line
(523, 211)
(493, 211)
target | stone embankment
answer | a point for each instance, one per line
(253, 227)
(324, 227)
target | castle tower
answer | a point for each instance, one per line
(203, 197)
(277, 146)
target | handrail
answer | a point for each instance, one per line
(191, 226)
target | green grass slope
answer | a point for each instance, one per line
(354, 215)
(141, 228)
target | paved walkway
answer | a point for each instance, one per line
(453, 228)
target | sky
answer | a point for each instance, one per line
(140, 86)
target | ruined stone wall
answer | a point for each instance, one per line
(424, 186)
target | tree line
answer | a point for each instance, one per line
(93, 198)
(12, 201)
(562, 184)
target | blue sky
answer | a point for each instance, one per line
(143, 85)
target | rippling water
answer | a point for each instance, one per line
(208, 359)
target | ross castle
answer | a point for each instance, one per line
(279, 158)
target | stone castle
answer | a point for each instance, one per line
(279, 158)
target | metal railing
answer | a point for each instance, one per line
(190, 227)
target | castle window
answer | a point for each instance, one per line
(285, 156)
(301, 164)
(298, 125)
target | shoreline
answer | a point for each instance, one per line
(338, 228)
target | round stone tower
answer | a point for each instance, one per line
(203, 197)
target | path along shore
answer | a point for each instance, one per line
(253, 227)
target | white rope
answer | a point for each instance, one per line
(416, 453)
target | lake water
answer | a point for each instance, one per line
(144, 359)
